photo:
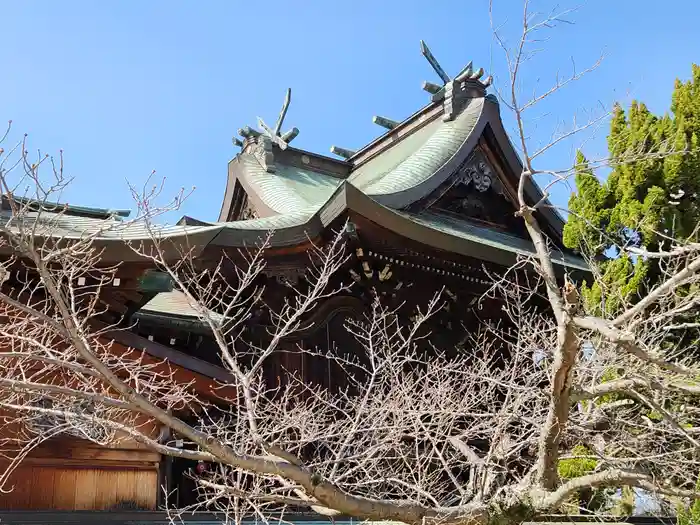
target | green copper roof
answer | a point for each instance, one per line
(66, 209)
(417, 158)
(396, 176)
(289, 189)
(489, 237)
(76, 227)
(289, 229)
(437, 231)
(374, 170)
(274, 222)
(171, 303)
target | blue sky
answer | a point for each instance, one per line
(126, 87)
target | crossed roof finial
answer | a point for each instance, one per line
(425, 51)
(282, 140)
(275, 135)
(467, 73)
(454, 92)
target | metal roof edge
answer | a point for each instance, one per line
(66, 209)
(335, 205)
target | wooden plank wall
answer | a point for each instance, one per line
(59, 488)
(68, 473)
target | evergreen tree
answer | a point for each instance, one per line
(650, 195)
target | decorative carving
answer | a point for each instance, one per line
(287, 274)
(248, 212)
(262, 150)
(475, 192)
(242, 208)
(479, 173)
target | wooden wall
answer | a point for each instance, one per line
(68, 473)
(55, 487)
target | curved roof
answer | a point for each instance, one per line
(408, 165)
(487, 237)
(405, 165)
(290, 189)
(397, 176)
(422, 161)
(452, 235)
(290, 229)
(60, 225)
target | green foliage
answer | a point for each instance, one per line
(655, 416)
(622, 278)
(609, 374)
(689, 515)
(656, 159)
(581, 464)
(626, 504)
(577, 466)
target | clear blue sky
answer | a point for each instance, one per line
(125, 87)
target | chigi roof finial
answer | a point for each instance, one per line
(261, 142)
(466, 84)
(275, 135)
(425, 51)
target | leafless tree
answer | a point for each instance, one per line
(488, 433)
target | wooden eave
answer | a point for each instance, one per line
(207, 379)
(348, 202)
(398, 223)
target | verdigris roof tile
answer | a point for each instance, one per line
(289, 189)
(489, 237)
(274, 222)
(61, 225)
(416, 158)
(176, 309)
(287, 229)
(174, 303)
(375, 169)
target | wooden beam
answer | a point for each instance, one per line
(342, 152)
(384, 122)
(115, 464)
(290, 135)
(431, 88)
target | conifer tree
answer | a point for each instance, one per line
(650, 195)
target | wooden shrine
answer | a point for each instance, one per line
(428, 205)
